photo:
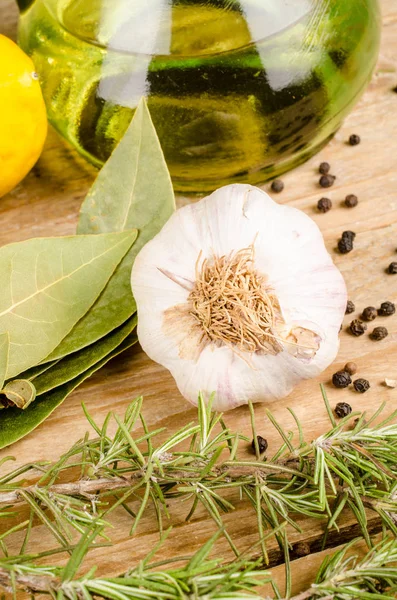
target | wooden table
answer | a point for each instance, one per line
(47, 203)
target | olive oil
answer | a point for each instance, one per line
(239, 91)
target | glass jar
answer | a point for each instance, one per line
(239, 90)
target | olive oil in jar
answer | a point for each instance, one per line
(239, 91)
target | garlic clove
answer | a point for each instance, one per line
(299, 269)
(236, 382)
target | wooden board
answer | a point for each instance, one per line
(47, 203)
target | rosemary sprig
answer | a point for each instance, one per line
(344, 468)
(341, 576)
(341, 469)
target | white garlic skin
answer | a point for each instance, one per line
(289, 250)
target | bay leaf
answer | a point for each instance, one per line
(20, 392)
(76, 363)
(16, 424)
(133, 189)
(135, 176)
(4, 350)
(36, 371)
(48, 285)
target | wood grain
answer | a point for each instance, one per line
(47, 203)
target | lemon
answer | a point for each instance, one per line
(23, 118)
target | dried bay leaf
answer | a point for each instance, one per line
(133, 189)
(76, 363)
(15, 424)
(48, 285)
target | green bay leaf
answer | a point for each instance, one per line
(48, 285)
(76, 363)
(36, 371)
(15, 424)
(133, 189)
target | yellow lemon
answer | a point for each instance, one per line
(23, 118)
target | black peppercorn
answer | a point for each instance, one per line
(370, 313)
(357, 419)
(341, 379)
(387, 309)
(392, 268)
(350, 368)
(324, 205)
(354, 140)
(361, 385)
(363, 423)
(351, 201)
(379, 333)
(301, 549)
(357, 327)
(342, 409)
(277, 186)
(262, 444)
(350, 308)
(345, 245)
(324, 168)
(350, 235)
(327, 181)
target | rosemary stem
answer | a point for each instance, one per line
(89, 487)
(303, 595)
(308, 594)
(29, 583)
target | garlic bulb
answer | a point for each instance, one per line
(237, 295)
